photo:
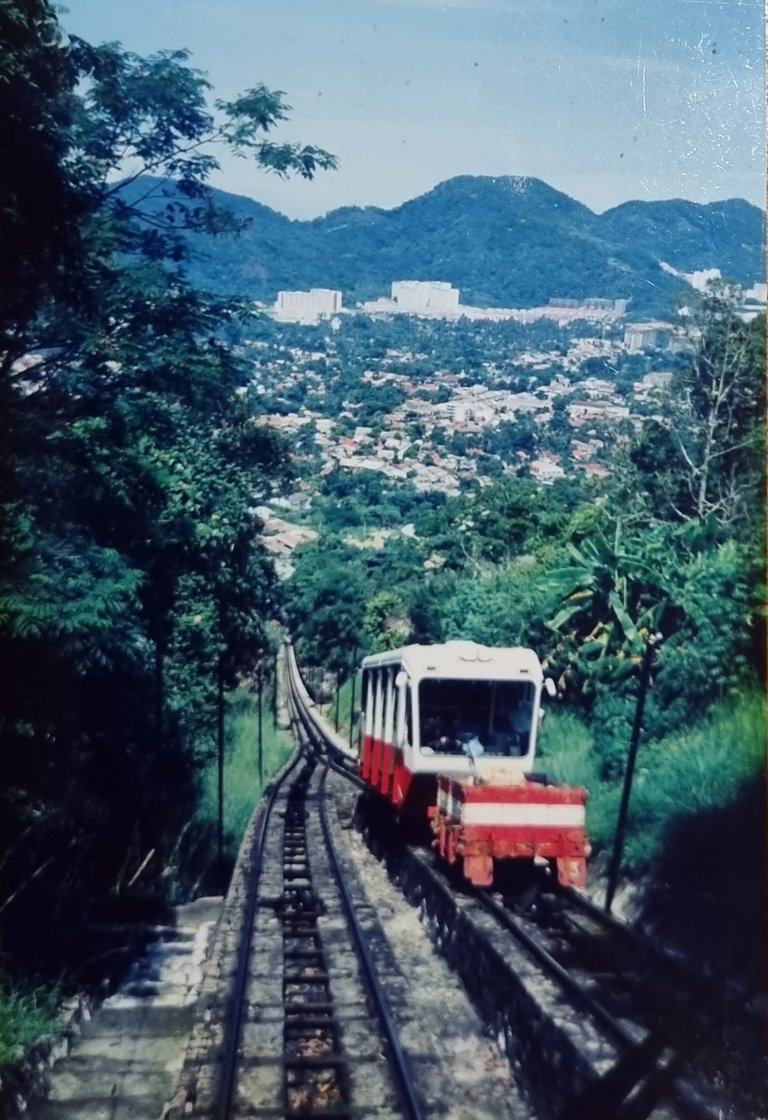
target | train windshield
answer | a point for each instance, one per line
(476, 717)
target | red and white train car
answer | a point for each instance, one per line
(449, 734)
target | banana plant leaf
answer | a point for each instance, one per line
(564, 615)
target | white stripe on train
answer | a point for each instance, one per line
(516, 816)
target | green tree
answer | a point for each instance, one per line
(386, 622)
(132, 569)
(40, 205)
(615, 593)
(704, 456)
(700, 598)
(719, 430)
(78, 114)
(326, 600)
(497, 605)
(504, 521)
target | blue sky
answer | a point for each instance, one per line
(606, 100)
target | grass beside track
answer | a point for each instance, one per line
(344, 707)
(242, 787)
(692, 773)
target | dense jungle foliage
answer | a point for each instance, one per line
(134, 588)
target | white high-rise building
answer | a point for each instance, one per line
(308, 306)
(425, 296)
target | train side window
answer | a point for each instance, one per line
(408, 717)
(402, 713)
(368, 701)
(378, 705)
(389, 707)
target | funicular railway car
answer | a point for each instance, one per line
(449, 735)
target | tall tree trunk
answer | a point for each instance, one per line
(159, 689)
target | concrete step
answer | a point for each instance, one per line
(125, 1063)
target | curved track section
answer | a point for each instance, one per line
(305, 1034)
(335, 750)
(311, 735)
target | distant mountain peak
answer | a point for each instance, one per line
(511, 193)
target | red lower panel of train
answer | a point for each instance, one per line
(483, 822)
(504, 818)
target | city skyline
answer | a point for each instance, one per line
(604, 101)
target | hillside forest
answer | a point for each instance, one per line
(467, 231)
(136, 590)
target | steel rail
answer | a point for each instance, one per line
(686, 1096)
(227, 1081)
(341, 762)
(413, 1107)
(711, 985)
(307, 1018)
(577, 900)
(618, 1032)
(680, 1089)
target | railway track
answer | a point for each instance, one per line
(308, 1006)
(660, 1028)
(668, 1057)
(295, 1004)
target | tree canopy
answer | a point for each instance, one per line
(133, 576)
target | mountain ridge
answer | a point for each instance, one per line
(511, 241)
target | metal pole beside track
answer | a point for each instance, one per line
(352, 701)
(621, 824)
(261, 726)
(220, 759)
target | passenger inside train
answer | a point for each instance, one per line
(475, 717)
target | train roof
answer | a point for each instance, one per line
(461, 659)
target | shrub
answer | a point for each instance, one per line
(693, 773)
(567, 755)
(344, 698)
(25, 1014)
(685, 777)
(613, 715)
